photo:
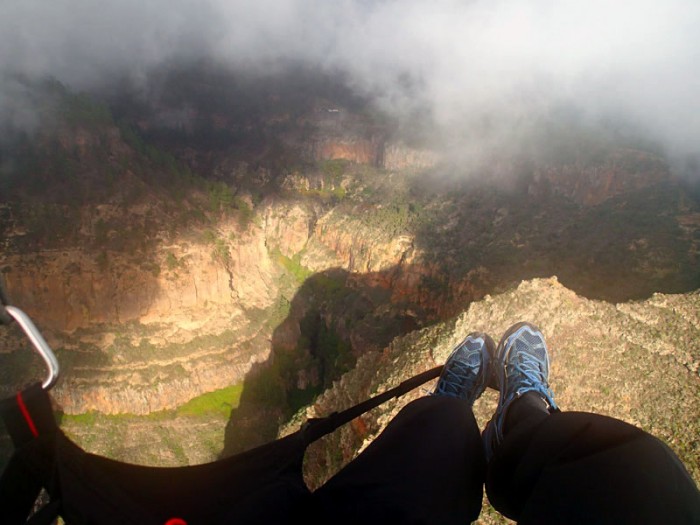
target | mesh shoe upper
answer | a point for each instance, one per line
(467, 369)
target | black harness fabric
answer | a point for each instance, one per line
(86, 489)
(102, 491)
(89, 489)
(30, 422)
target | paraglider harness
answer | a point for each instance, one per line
(84, 488)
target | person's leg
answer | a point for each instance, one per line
(428, 465)
(585, 468)
(553, 467)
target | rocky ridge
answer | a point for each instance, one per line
(637, 361)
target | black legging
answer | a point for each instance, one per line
(428, 466)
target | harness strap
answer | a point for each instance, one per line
(317, 428)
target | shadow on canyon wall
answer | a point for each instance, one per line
(335, 317)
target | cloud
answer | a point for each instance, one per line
(510, 62)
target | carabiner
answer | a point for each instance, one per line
(40, 344)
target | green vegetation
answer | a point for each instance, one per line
(221, 197)
(293, 378)
(245, 212)
(56, 180)
(334, 354)
(334, 169)
(82, 109)
(220, 252)
(328, 196)
(331, 190)
(401, 215)
(293, 265)
(279, 312)
(219, 402)
(330, 287)
(209, 236)
(171, 261)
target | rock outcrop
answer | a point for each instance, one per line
(78, 288)
(400, 157)
(360, 150)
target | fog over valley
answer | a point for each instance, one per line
(485, 73)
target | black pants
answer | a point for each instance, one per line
(428, 466)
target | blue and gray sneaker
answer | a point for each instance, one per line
(467, 371)
(521, 365)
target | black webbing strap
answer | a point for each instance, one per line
(4, 301)
(317, 428)
(30, 422)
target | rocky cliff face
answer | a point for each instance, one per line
(620, 172)
(398, 156)
(186, 291)
(125, 321)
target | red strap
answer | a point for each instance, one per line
(27, 415)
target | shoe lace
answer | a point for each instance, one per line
(529, 377)
(454, 377)
(456, 374)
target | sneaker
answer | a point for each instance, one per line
(467, 371)
(521, 365)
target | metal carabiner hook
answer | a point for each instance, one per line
(40, 344)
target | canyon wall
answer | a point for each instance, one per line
(132, 319)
